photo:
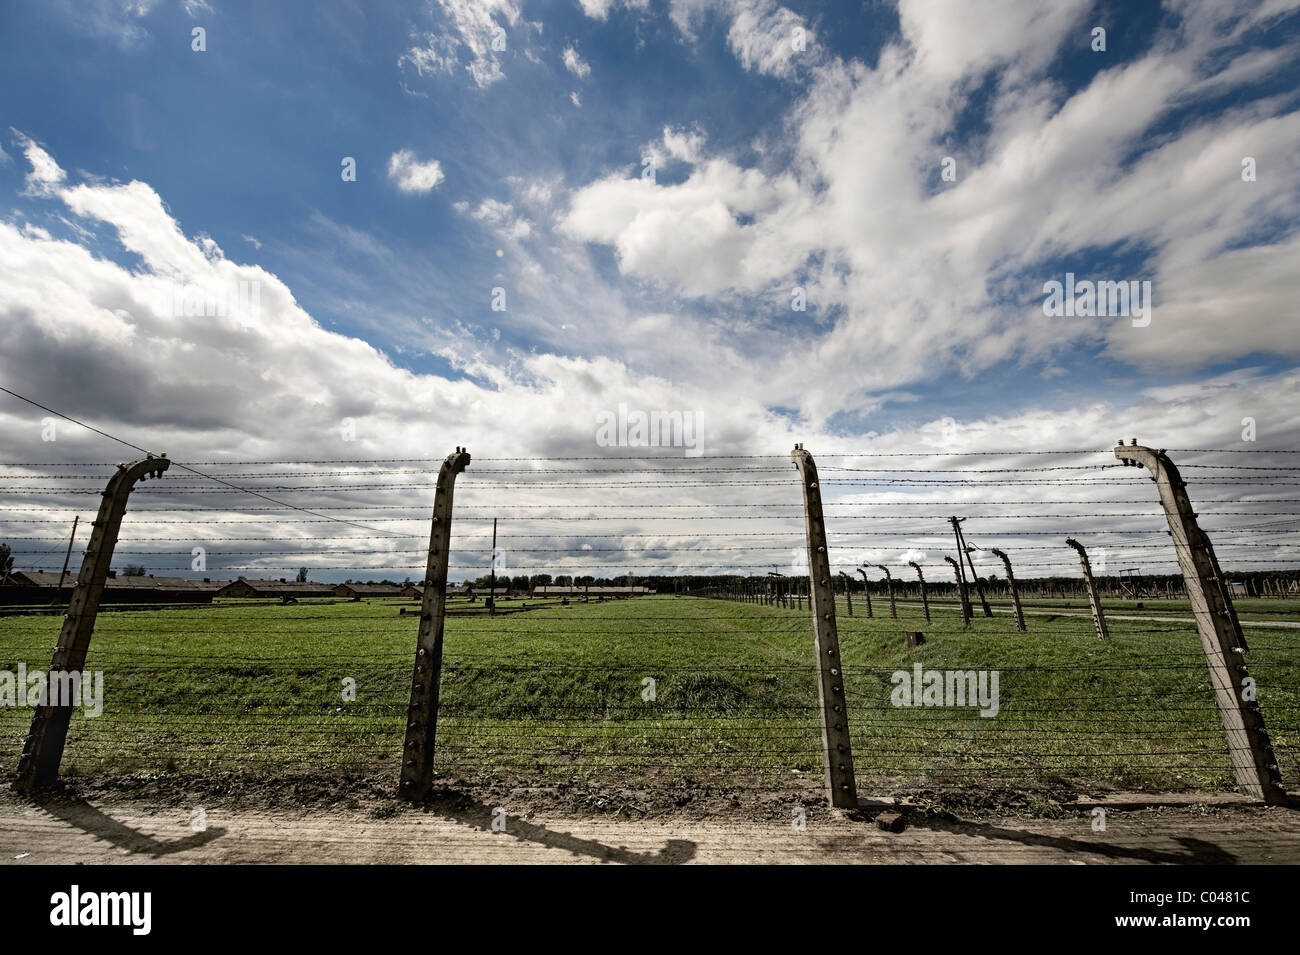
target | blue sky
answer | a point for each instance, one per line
(245, 139)
(132, 163)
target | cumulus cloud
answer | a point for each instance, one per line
(271, 383)
(917, 274)
(413, 175)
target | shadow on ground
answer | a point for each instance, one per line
(82, 815)
(1195, 851)
(460, 806)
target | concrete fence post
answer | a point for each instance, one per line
(848, 591)
(840, 781)
(422, 715)
(1015, 591)
(889, 588)
(1098, 615)
(866, 590)
(43, 749)
(1250, 751)
(925, 600)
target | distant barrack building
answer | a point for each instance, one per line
(580, 591)
(42, 587)
(377, 590)
(277, 589)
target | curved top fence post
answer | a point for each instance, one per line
(1253, 762)
(43, 748)
(422, 715)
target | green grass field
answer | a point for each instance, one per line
(554, 696)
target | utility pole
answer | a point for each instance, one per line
(1250, 751)
(964, 551)
(925, 600)
(68, 556)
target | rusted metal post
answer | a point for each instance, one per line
(889, 585)
(925, 600)
(1015, 591)
(43, 748)
(848, 591)
(1254, 763)
(1098, 615)
(840, 782)
(422, 715)
(866, 590)
(961, 591)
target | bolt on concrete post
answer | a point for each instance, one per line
(889, 585)
(925, 600)
(43, 749)
(422, 715)
(961, 591)
(1250, 751)
(866, 590)
(848, 591)
(1098, 616)
(840, 781)
(1015, 591)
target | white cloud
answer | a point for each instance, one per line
(276, 385)
(688, 235)
(951, 40)
(765, 36)
(433, 54)
(501, 217)
(413, 175)
(45, 175)
(575, 99)
(927, 277)
(476, 25)
(599, 9)
(116, 20)
(575, 64)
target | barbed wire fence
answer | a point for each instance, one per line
(708, 684)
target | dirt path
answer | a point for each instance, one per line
(68, 832)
